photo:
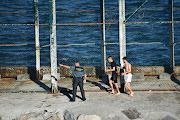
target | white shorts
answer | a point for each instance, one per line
(128, 77)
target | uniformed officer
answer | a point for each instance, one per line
(79, 77)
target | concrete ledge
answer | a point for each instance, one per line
(138, 76)
(23, 77)
(47, 77)
(164, 76)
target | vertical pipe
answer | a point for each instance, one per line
(171, 36)
(103, 38)
(36, 20)
(53, 46)
(122, 31)
(122, 40)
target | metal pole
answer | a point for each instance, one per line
(122, 31)
(171, 36)
(122, 39)
(53, 46)
(103, 38)
(36, 20)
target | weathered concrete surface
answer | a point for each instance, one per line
(150, 105)
(47, 76)
(93, 83)
(23, 77)
(164, 76)
(12, 72)
(138, 76)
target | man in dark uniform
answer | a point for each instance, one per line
(114, 75)
(79, 74)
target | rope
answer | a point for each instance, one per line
(6, 45)
(129, 23)
(86, 24)
(136, 10)
(135, 43)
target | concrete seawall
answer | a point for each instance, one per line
(12, 72)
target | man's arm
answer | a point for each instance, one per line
(85, 76)
(118, 67)
(110, 70)
(65, 66)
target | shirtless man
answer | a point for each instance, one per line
(127, 75)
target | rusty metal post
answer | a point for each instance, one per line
(171, 37)
(53, 46)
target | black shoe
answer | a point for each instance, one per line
(71, 100)
(84, 99)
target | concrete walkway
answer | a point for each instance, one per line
(144, 105)
(93, 84)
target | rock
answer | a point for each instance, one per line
(132, 113)
(68, 115)
(89, 117)
(31, 116)
(54, 117)
(48, 76)
(138, 76)
(158, 115)
(169, 118)
(120, 116)
(23, 77)
(164, 76)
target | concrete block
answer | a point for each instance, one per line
(23, 77)
(138, 76)
(48, 76)
(164, 76)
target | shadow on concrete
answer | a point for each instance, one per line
(33, 77)
(98, 85)
(173, 77)
(67, 92)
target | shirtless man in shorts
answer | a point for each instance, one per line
(127, 75)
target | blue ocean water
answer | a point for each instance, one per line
(67, 12)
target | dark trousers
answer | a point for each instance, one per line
(78, 82)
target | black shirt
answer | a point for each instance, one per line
(113, 64)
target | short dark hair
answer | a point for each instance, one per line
(109, 57)
(124, 58)
(77, 62)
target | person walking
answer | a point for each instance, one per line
(114, 76)
(79, 77)
(127, 75)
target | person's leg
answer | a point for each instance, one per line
(129, 87)
(117, 88)
(115, 83)
(74, 88)
(82, 89)
(111, 84)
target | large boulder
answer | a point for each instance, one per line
(89, 117)
(68, 115)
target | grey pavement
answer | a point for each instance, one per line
(93, 83)
(146, 105)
